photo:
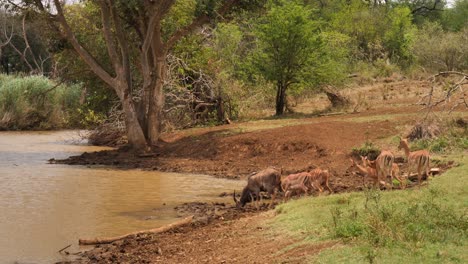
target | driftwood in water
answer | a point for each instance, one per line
(106, 240)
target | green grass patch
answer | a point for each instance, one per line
(449, 142)
(427, 225)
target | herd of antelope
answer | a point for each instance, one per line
(380, 170)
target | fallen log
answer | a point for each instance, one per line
(414, 176)
(332, 114)
(107, 240)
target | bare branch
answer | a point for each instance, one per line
(444, 96)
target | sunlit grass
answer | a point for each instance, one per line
(426, 225)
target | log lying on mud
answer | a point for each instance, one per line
(414, 176)
(107, 240)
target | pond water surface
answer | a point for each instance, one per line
(45, 207)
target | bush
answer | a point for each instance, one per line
(35, 102)
(453, 137)
(438, 50)
(368, 149)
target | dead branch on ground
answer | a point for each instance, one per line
(107, 240)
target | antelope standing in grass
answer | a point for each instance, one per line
(419, 159)
(383, 166)
(395, 171)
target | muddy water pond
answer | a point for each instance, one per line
(45, 207)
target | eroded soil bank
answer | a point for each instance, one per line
(322, 143)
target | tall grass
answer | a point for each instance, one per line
(35, 102)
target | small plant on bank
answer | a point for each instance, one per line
(368, 149)
(453, 138)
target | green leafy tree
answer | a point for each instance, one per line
(399, 36)
(423, 10)
(288, 44)
(136, 39)
(456, 18)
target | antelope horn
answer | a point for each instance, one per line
(234, 196)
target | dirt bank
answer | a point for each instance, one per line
(221, 153)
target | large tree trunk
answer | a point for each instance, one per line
(135, 135)
(156, 103)
(280, 98)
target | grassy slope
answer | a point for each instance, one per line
(415, 236)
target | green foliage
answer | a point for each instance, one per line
(424, 10)
(438, 50)
(293, 54)
(451, 141)
(181, 14)
(35, 102)
(346, 226)
(377, 32)
(368, 149)
(456, 18)
(287, 43)
(99, 97)
(399, 37)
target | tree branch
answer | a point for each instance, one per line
(425, 8)
(200, 20)
(84, 54)
(431, 100)
(106, 28)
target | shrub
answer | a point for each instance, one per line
(453, 137)
(35, 102)
(438, 50)
(368, 149)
